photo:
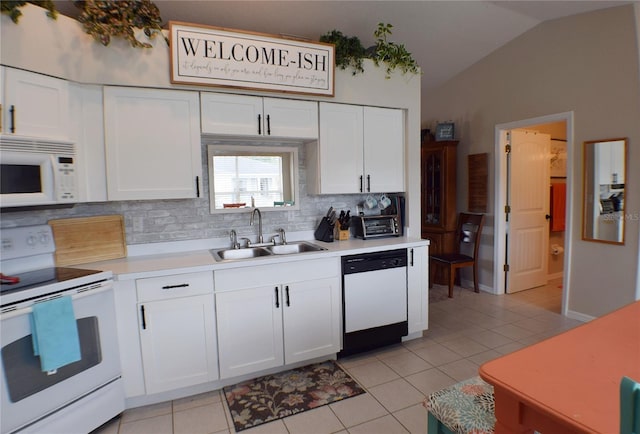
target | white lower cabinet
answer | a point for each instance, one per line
(273, 315)
(177, 331)
(418, 288)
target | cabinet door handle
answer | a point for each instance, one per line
(286, 289)
(368, 183)
(144, 319)
(197, 186)
(12, 112)
(259, 124)
(361, 184)
(411, 260)
(181, 285)
(277, 298)
(268, 125)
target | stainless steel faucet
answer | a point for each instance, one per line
(253, 213)
(234, 239)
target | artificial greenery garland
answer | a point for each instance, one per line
(104, 19)
(12, 8)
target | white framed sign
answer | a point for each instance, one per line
(211, 56)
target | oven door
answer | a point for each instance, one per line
(29, 394)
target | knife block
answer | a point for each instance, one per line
(324, 232)
(341, 234)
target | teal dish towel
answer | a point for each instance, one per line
(54, 332)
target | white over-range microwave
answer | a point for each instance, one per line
(36, 172)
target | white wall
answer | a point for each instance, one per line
(60, 48)
(587, 64)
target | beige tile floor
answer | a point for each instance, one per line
(464, 332)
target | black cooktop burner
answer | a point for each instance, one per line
(45, 276)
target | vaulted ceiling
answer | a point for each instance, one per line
(445, 37)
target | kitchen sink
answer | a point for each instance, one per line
(292, 248)
(246, 253)
(256, 252)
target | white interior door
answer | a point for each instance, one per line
(529, 201)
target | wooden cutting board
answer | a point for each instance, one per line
(88, 239)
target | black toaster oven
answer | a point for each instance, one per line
(376, 226)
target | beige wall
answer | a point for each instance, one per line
(586, 64)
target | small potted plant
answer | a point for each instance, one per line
(349, 50)
(393, 55)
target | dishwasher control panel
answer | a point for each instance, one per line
(374, 261)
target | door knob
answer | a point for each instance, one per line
(547, 216)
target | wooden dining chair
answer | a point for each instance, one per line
(468, 233)
(629, 406)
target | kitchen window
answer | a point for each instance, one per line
(245, 176)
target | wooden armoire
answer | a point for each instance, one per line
(438, 194)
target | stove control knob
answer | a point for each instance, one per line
(31, 240)
(44, 239)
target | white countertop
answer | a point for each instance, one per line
(135, 267)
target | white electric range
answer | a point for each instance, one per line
(77, 397)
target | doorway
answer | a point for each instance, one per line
(502, 239)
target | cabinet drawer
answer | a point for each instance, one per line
(261, 275)
(176, 285)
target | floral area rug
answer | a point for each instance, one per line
(273, 397)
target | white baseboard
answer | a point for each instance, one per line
(553, 276)
(485, 288)
(579, 316)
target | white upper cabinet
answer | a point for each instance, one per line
(383, 150)
(340, 156)
(610, 162)
(290, 118)
(252, 116)
(152, 140)
(360, 150)
(35, 105)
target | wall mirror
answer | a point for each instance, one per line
(604, 190)
(244, 176)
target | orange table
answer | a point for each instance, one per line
(569, 383)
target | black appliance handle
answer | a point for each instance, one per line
(181, 285)
(12, 112)
(277, 298)
(259, 124)
(144, 319)
(286, 288)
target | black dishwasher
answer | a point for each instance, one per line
(374, 300)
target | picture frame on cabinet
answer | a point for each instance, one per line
(444, 131)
